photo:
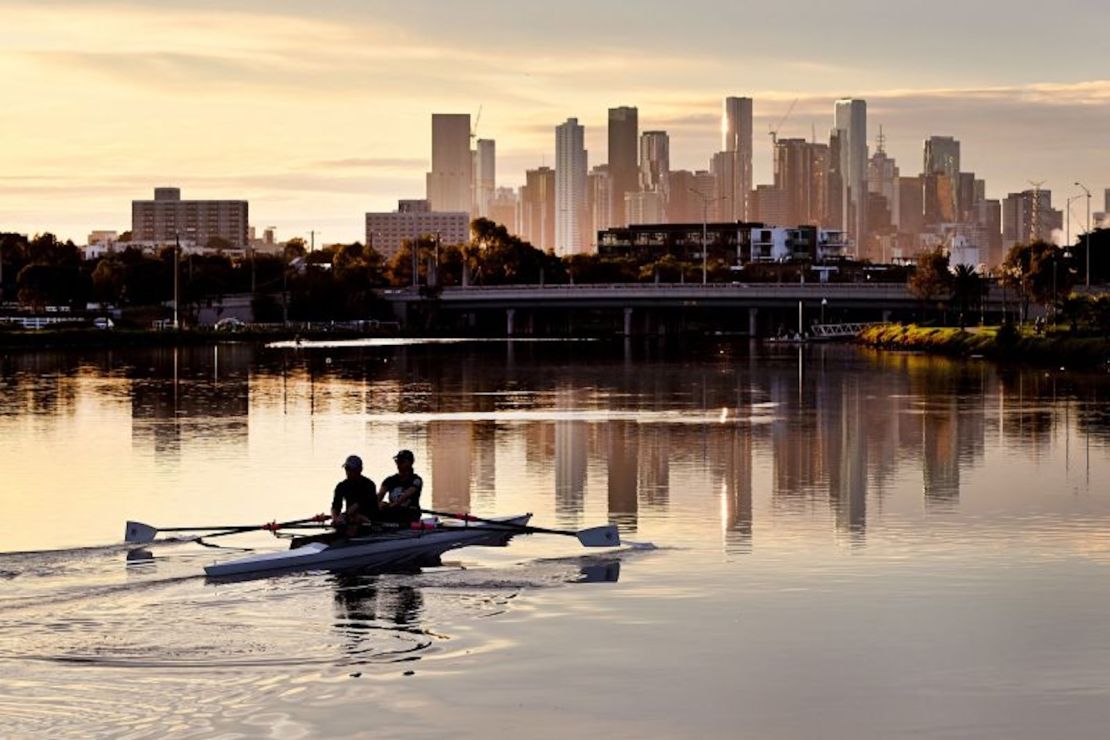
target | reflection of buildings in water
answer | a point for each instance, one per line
(570, 466)
(191, 393)
(798, 457)
(539, 447)
(732, 449)
(622, 450)
(654, 455)
(451, 445)
(940, 454)
(848, 476)
(485, 465)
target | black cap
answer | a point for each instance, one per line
(405, 455)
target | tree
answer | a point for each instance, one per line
(218, 243)
(108, 280)
(40, 285)
(931, 279)
(1037, 271)
(295, 248)
(967, 291)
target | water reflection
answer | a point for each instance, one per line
(830, 430)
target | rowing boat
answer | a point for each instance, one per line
(404, 547)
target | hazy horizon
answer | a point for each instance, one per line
(317, 115)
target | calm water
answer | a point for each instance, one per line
(849, 544)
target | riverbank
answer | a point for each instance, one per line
(990, 342)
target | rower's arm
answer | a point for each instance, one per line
(405, 496)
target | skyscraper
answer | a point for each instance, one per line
(485, 176)
(655, 162)
(624, 134)
(942, 179)
(736, 140)
(882, 176)
(850, 118)
(537, 208)
(571, 164)
(599, 199)
(450, 182)
(801, 174)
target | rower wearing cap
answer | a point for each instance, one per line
(399, 496)
(357, 493)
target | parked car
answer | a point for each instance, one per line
(230, 324)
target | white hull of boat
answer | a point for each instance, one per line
(382, 551)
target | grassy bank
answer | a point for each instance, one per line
(990, 342)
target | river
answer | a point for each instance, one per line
(846, 543)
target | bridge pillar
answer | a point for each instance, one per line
(628, 322)
(401, 312)
(510, 321)
(886, 316)
(753, 322)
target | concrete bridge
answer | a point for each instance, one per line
(752, 308)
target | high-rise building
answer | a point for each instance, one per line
(624, 172)
(770, 206)
(386, 233)
(571, 164)
(599, 199)
(736, 169)
(655, 162)
(683, 206)
(942, 157)
(1028, 216)
(801, 173)
(709, 201)
(485, 176)
(1106, 200)
(850, 118)
(503, 209)
(645, 207)
(989, 218)
(882, 176)
(537, 208)
(451, 180)
(167, 217)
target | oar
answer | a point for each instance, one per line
(605, 536)
(139, 533)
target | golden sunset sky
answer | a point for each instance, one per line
(317, 112)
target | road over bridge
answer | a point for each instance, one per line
(648, 308)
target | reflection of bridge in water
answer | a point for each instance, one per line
(752, 308)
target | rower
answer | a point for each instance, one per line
(399, 496)
(357, 492)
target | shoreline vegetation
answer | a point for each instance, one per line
(1007, 344)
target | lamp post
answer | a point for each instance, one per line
(824, 302)
(176, 278)
(1087, 236)
(705, 201)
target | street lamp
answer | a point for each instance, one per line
(1087, 237)
(705, 201)
(824, 302)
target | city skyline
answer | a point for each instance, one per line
(294, 111)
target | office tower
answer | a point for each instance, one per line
(386, 233)
(942, 160)
(683, 205)
(801, 173)
(537, 208)
(770, 206)
(624, 173)
(655, 162)
(966, 196)
(503, 209)
(735, 170)
(485, 176)
(911, 205)
(942, 156)
(599, 199)
(451, 180)
(167, 217)
(988, 215)
(940, 198)
(645, 207)
(1028, 216)
(850, 118)
(882, 176)
(706, 186)
(571, 165)
(835, 206)
(734, 200)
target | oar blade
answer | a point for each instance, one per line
(139, 533)
(607, 536)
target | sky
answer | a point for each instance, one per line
(317, 112)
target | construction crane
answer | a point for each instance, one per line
(474, 129)
(774, 130)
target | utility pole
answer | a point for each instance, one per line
(1087, 236)
(705, 199)
(176, 279)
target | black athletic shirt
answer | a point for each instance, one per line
(359, 491)
(397, 484)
